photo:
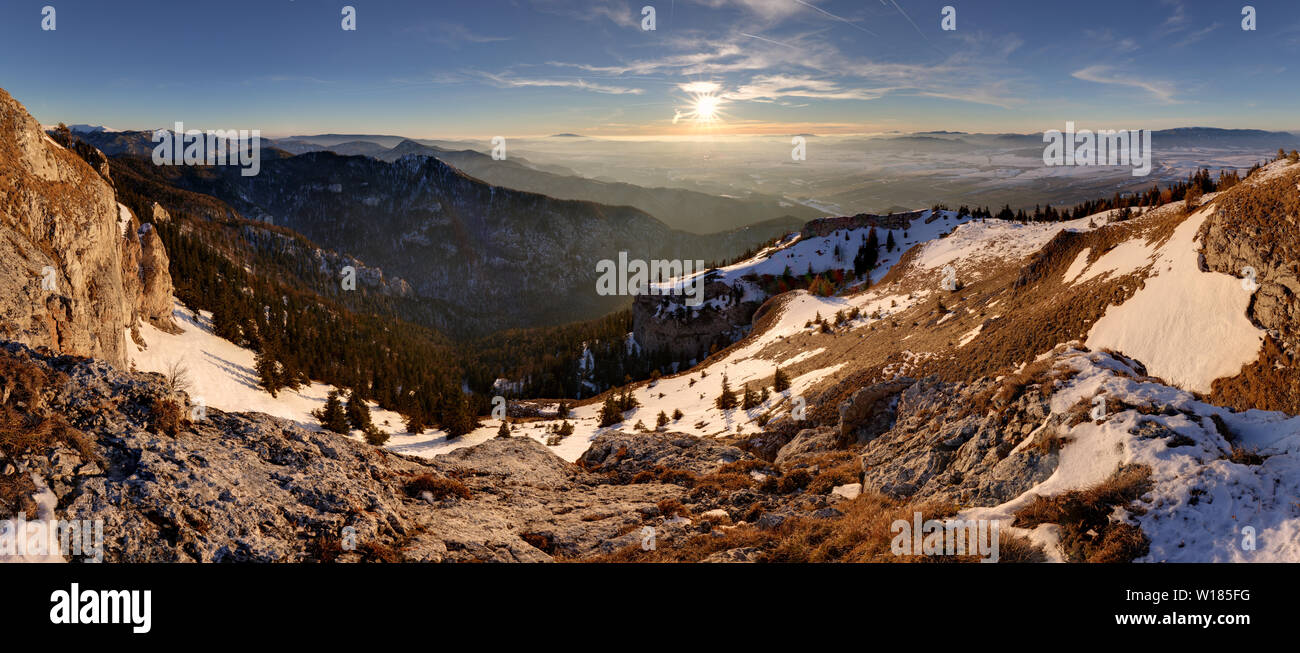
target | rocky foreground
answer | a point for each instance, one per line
(121, 448)
(174, 482)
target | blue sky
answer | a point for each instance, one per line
(536, 67)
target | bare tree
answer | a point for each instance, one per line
(177, 377)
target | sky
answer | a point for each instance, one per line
(519, 68)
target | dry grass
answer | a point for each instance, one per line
(26, 421)
(167, 417)
(1269, 383)
(862, 534)
(440, 487)
(1087, 533)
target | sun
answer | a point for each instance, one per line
(703, 106)
(706, 108)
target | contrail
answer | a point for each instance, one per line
(909, 19)
(769, 41)
(839, 18)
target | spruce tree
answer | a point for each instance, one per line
(780, 380)
(727, 399)
(610, 413)
(415, 422)
(504, 431)
(662, 420)
(357, 411)
(268, 371)
(456, 417)
(332, 416)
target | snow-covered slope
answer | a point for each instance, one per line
(1187, 326)
(222, 375)
(818, 253)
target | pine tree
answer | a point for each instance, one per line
(662, 420)
(727, 399)
(677, 414)
(415, 422)
(780, 380)
(890, 243)
(751, 399)
(504, 431)
(358, 412)
(332, 416)
(609, 412)
(456, 417)
(868, 255)
(268, 371)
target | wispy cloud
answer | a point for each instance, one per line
(1177, 20)
(1106, 39)
(1196, 36)
(1102, 74)
(769, 88)
(619, 12)
(508, 81)
(453, 35)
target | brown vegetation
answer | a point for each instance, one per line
(1084, 518)
(440, 487)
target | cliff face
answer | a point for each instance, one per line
(665, 323)
(72, 268)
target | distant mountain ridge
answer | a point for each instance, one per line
(504, 258)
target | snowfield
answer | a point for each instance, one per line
(1188, 327)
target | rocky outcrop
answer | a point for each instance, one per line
(807, 443)
(627, 454)
(665, 323)
(826, 226)
(869, 411)
(64, 266)
(1253, 227)
(942, 449)
(154, 299)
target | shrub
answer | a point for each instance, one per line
(166, 417)
(440, 487)
(374, 436)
